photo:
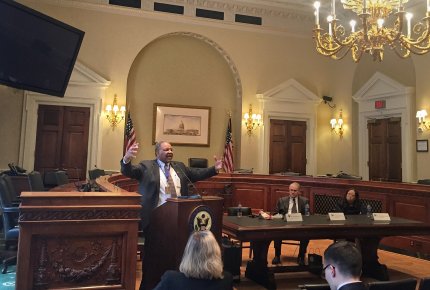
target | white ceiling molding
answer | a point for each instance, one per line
(291, 20)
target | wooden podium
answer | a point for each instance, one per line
(171, 225)
(78, 240)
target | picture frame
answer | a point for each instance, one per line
(181, 125)
(422, 146)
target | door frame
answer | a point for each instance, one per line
(290, 101)
(85, 89)
(399, 103)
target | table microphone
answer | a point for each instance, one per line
(195, 196)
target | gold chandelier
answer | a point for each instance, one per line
(374, 34)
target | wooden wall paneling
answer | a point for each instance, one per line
(414, 208)
(276, 192)
(254, 196)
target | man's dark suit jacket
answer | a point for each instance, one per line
(173, 280)
(148, 174)
(354, 286)
(284, 202)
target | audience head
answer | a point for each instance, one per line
(164, 151)
(202, 257)
(342, 263)
(351, 195)
(294, 189)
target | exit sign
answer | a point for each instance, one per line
(380, 104)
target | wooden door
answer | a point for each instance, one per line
(385, 149)
(287, 146)
(62, 140)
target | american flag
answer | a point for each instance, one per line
(228, 150)
(129, 135)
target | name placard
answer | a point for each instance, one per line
(294, 217)
(336, 216)
(382, 216)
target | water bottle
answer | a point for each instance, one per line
(239, 210)
(369, 210)
(307, 211)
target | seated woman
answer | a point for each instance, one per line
(351, 203)
(201, 266)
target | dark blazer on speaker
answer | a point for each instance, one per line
(147, 172)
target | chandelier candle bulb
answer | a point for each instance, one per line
(329, 20)
(352, 23)
(380, 22)
(408, 18)
(317, 5)
(333, 8)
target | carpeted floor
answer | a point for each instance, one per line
(7, 281)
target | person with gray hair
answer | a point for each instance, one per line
(161, 178)
(201, 266)
(342, 266)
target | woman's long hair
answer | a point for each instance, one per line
(202, 257)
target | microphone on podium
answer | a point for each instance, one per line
(194, 196)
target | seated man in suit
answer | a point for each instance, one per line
(342, 268)
(293, 203)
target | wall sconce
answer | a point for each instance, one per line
(114, 114)
(422, 124)
(337, 125)
(252, 120)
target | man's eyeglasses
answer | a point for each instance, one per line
(323, 270)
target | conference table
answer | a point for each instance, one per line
(368, 232)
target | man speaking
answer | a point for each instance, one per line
(162, 178)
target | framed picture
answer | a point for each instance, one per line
(422, 146)
(181, 125)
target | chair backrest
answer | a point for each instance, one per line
(198, 162)
(7, 197)
(61, 177)
(49, 179)
(314, 287)
(95, 173)
(36, 181)
(232, 211)
(405, 284)
(424, 284)
(424, 181)
(9, 218)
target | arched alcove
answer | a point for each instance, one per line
(184, 69)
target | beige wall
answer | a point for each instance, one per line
(11, 101)
(181, 70)
(114, 42)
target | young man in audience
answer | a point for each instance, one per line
(342, 266)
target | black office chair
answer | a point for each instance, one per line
(232, 211)
(198, 162)
(424, 284)
(36, 182)
(61, 177)
(246, 211)
(405, 284)
(424, 181)
(95, 173)
(9, 189)
(314, 287)
(10, 215)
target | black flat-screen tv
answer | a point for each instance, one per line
(37, 52)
